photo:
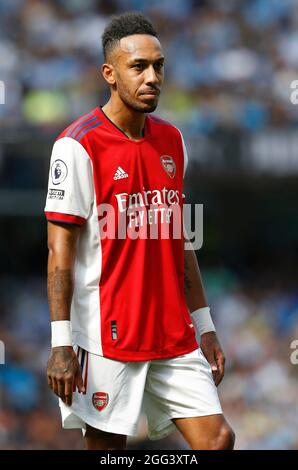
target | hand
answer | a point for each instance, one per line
(64, 373)
(212, 351)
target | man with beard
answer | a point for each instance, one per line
(125, 310)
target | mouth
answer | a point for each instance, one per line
(151, 94)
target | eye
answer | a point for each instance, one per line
(138, 66)
(159, 66)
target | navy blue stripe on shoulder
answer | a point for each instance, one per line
(78, 122)
(78, 137)
(77, 130)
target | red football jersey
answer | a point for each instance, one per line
(128, 302)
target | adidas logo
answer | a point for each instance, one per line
(120, 173)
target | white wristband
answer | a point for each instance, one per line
(61, 333)
(202, 320)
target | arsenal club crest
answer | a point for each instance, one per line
(168, 165)
(100, 400)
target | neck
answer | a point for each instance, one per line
(129, 121)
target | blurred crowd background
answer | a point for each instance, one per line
(229, 69)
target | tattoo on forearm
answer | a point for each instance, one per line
(60, 286)
(187, 281)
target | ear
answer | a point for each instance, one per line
(108, 73)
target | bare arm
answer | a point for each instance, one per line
(64, 373)
(193, 284)
(62, 241)
(196, 298)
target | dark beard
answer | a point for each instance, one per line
(142, 108)
(136, 106)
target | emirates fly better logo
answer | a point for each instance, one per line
(152, 213)
(155, 213)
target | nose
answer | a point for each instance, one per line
(151, 76)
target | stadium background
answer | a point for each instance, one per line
(229, 66)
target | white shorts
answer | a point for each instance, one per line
(117, 392)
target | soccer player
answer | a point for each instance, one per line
(124, 330)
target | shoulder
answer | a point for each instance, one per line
(81, 127)
(162, 126)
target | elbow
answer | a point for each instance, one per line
(62, 242)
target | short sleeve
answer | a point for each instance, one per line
(70, 187)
